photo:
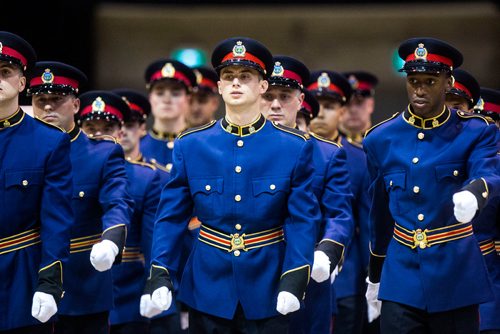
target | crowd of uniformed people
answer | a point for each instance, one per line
(291, 214)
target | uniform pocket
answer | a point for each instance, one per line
(270, 196)
(451, 172)
(205, 191)
(395, 185)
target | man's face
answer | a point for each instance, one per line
(457, 102)
(327, 121)
(301, 121)
(99, 127)
(426, 92)
(169, 100)
(132, 133)
(12, 81)
(56, 109)
(203, 107)
(241, 86)
(281, 104)
(358, 115)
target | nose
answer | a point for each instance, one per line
(47, 107)
(419, 91)
(236, 82)
(275, 105)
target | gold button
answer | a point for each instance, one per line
(237, 226)
(239, 143)
(414, 160)
(272, 187)
(81, 193)
(416, 190)
(25, 182)
(168, 167)
(421, 135)
(237, 169)
(237, 198)
(170, 144)
(207, 187)
(420, 217)
(455, 172)
(485, 194)
(236, 253)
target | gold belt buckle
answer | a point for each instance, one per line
(237, 242)
(420, 239)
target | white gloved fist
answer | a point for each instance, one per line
(321, 267)
(334, 274)
(184, 319)
(374, 305)
(287, 303)
(103, 255)
(147, 308)
(465, 206)
(162, 298)
(43, 307)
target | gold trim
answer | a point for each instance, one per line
(201, 127)
(115, 226)
(278, 126)
(296, 269)
(50, 265)
(318, 137)
(213, 245)
(372, 253)
(380, 123)
(141, 163)
(16, 235)
(87, 237)
(20, 247)
(434, 120)
(240, 128)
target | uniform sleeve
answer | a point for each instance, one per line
(150, 205)
(363, 211)
(299, 227)
(174, 212)
(56, 218)
(336, 203)
(115, 200)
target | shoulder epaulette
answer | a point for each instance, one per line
(318, 137)
(142, 163)
(159, 166)
(466, 115)
(196, 129)
(103, 137)
(293, 131)
(387, 120)
(51, 125)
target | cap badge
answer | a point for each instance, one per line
(479, 105)
(278, 70)
(124, 98)
(239, 49)
(1, 47)
(199, 76)
(324, 80)
(47, 76)
(353, 81)
(168, 70)
(98, 104)
(421, 52)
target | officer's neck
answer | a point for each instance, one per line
(240, 117)
(8, 108)
(134, 154)
(171, 126)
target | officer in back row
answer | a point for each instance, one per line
(35, 202)
(205, 99)
(251, 262)
(464, 93)
(432, 169)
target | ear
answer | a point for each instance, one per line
(76, 105)
(263, 86)
(301, 98)
(22, 83)
(219, 87)
(449, 82)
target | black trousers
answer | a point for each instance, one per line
(38, 329)
(202, 323)
(349, 318)
(130, 328)
(96, 323)
(169, 324)
(402, 319)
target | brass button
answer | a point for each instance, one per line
(421, 135)
(168, 167)
(420, 217)
(416, 190)
(237, 169)
(272, 187)
(455, 172)
(390, 183)
(485, 194)
(170, 144)
(239, 143)
(237, 198)
(81, 193)
(414, 160)
(237, 226)
(207, 187)
(236, 253)
(25, 183)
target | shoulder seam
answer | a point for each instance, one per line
(468, 115)
(51, 125)
(292, 131)
(196, 129)
(318, 137)
(380, 123)
(142, 163)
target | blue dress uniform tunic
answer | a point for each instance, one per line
(250, 186)
(35, 202)
(433, 262)
(129, 276)
(102, 207)
(158, 148)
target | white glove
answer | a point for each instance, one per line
(147, 308)
(374, 305)
(465, 206)
(43, 307)
(321, 267)
(334, 274)
(184, 318)
(162, 298)
(103, 255)
(287, 303)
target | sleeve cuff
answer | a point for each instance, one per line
(50, 280)
(375, 268)
(295, 281)
(158, 277)
(479, 188)
(117, 234)
(334, 250)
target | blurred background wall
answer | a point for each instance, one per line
(113, 42)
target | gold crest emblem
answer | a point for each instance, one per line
(239, 49)
(47, 76)
(98, 105)
(278, 70)
(168, 70)
(199, 76)
(420, 52)
(324, 80)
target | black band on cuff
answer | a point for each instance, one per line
(375, 268)
(479, 189)
(116, 234)
(50, 281)
(334, 251)
(158, 277)
(295, 281)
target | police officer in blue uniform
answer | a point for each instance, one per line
(35, 201)
(308, 110)
(281, 103)
(488, 105)
(100, 199)
(170, 84)
(432, 169)
(464, 94)
(144, 186)
(248, 180)
(205, 99)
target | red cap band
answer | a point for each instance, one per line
(58, 80)
(306, 106)
(331, 87)
(135, 107)
(13, 53)
(461, 87)
(208, 83)
(362, 85)
(432, 57)
(248, 56)
(107, 109)
(491, 107)
(177, 75)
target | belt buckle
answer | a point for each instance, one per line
(420, 239)
(237, 242)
